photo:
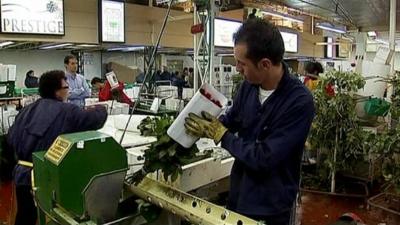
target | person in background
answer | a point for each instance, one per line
(252, 15)
(265, 129)
(78, 88)
(191, 77)
(107, 93)
(165, 75)
(313, 69)
(178, 81)
(140, 77)
(30, 80)
(157, 75)
(37, 126)
(311, 80)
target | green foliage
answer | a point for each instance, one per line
(237, 80)
(336, 127)
(335, 131)
(387, 143)
(165, 154)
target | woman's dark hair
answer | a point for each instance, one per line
(314, 68)
(50, 82)
(96, 80)
(29, 73)
(263, 40)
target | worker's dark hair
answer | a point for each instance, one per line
(314, 68)
(50, 82)
(263, 40)
(96, 80)
(29, 73)
(67, 58)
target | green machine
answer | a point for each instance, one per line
(79, 179)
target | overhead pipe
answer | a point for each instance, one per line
(392, 32)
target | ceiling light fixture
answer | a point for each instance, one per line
(325, 26)
(126, 49)
(55, 46)
(283, 16)
(87, 45)
(2, 44)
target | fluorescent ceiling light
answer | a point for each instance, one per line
(127, 49)
(87, 45)
(55, 46)
(2, 44)
(329, 28)
(283, 16)
(371, 34)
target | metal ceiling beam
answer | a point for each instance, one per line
(346, 15)
(265, 4)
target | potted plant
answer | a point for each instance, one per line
(335, 136)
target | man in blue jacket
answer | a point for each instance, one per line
(37, 126)
(265, 129)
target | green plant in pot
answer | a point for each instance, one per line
(336, 135)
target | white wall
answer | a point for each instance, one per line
(187, 60)
(39, 61)
(371, 55)
(42, 61)
(131, 59)
(92, 66)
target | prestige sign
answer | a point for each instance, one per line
(32, 16)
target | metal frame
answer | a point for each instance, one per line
(191, 208)
(204, 44)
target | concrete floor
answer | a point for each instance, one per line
(7, 208)
(320, 209)
(317, 209)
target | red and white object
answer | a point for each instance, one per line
(206, 99)
(112, 79)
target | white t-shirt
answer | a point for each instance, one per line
(264, 94)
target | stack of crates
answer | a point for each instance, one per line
(7, 80)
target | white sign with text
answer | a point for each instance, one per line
(32, 17)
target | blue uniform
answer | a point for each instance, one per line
(40, 123)
(267, 143)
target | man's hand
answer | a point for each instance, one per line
(206, 126)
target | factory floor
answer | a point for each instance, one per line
(320, 209)
(317, 209)
(7, 206)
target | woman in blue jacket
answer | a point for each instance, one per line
(37, 126)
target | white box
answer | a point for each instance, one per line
(3, 73)
(196, 105)
(187, 93)
(12, 72)
(121, 120)
(383, 55)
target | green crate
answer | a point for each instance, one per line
(10, 86)
(376, 107)
(26, 91)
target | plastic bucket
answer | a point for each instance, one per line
(196, 105)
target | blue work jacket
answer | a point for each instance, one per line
(40, 123)
(267, 143)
